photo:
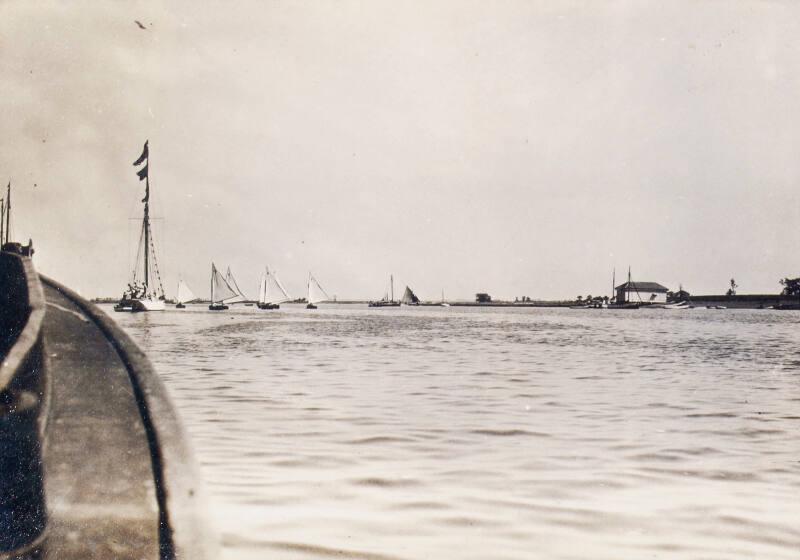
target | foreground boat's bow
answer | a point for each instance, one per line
(93, 460)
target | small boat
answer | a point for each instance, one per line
(315, 293)
(409, 297)
(271, 292)
(626, 306)
(221, 291)
(387, 300)
(443, 303)
(184, 295)
(142, 293)
(678, 305)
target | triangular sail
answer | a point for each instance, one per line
(220, 290)
(262, 288)
(184, 293)
(315, 292)
(275, 292)
(409, 297)
(231, 281)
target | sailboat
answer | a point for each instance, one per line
(239, 296)
(221, 291)
(386, 301)
(409, 297)
(271, 292)
(315, 293)
(142, 293)
(443, 302)
(627, 304)
(184, 295)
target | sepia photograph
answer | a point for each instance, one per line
(377, 280)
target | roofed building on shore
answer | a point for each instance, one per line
(641, 292)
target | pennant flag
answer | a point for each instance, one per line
(142, 173)
(143, 156)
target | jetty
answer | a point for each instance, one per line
(94, 462)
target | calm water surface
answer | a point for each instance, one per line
(431, 433)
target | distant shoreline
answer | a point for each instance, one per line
(744, 301)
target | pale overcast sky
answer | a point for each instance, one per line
(508, 147)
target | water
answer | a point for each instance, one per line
(422, 433)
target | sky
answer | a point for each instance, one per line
(515, 148)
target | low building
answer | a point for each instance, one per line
(641, 292)
(483, 298)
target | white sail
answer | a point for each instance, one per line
(231, 281)
(315, 292)
(220, 290)
(275, 292)
(184, 293)
(409, 297)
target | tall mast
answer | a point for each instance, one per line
(147, 228)
(2, 218)
(8, 211)
(144, 173)
(391, 285)
(635, 287)
(628, 290)
(212, 283)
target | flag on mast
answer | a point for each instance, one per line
(143, 156)
(142, 173)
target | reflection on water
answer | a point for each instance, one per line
(487, 433)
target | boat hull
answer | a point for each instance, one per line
(311, 306)
(268, 306)
(384, 304)
(148, 305)
(677, 306)
(138, 305)
(57, 485)
(217, 307)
